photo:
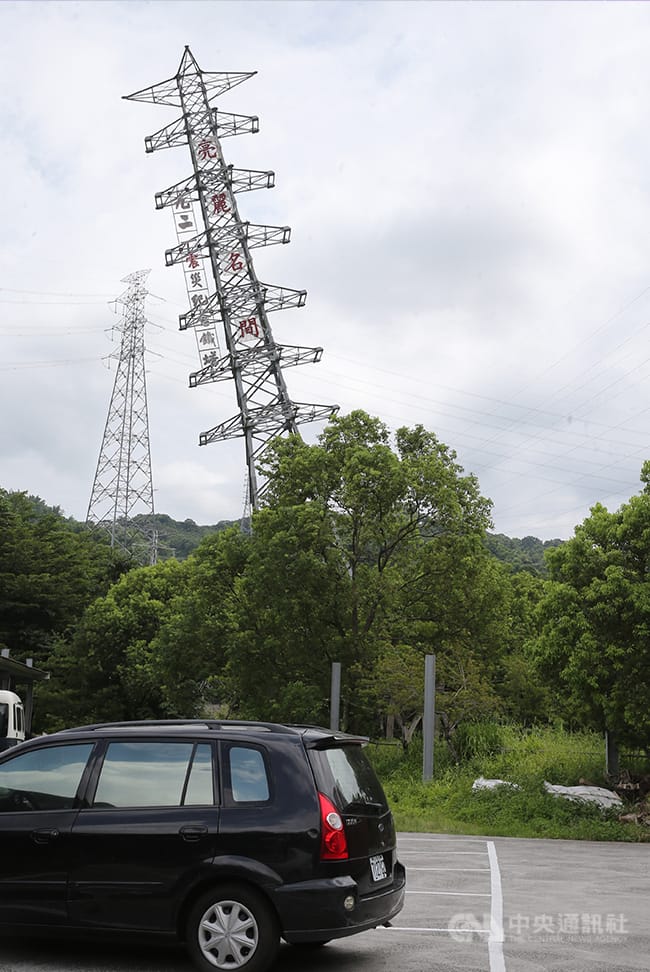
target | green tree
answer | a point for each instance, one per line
(49, 572)
(292, 614)
(154, 646)
(395, 688)
(525, 697)
(200, 625)
(343, 564)
(595, 635)
(522, 555)
(108, 669)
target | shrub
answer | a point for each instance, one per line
(447, 804)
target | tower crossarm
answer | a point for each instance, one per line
(259, 234)
(186, 190)
(201, 312)
(228, 124)
(263, 423)
(245, 180)
(282, 298)
(166, 92)
(252, 361)
(224, 237)
(171, 136)
(197, 246)
(240, 180)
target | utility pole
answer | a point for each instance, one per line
(214, 250)
(123, 485)
(429, 717)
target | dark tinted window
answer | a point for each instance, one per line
(45, 779)
(4, 718)
(248, 777)
(200, 784)
(152, 773)
(353, 780)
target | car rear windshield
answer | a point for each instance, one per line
(353, 783)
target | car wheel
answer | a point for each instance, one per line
(232, 927)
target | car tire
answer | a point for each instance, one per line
(232, 928)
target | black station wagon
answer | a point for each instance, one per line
(228, 836)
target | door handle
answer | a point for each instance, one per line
(44, 836)
(193, 833)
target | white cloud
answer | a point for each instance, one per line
(468, 190)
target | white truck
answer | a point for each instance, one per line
(12, 720)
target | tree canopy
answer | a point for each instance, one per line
(362, 546)
(49, 572)
(369, 547)
(595, 619)
(371, 550)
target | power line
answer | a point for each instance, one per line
(53, 303)
(50, 293)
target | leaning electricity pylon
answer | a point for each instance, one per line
(236, 302)
(123, 486)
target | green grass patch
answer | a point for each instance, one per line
(447, 804)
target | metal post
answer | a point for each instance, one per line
(611, 755)
(335, 696)
(429, 719)
(29, 702)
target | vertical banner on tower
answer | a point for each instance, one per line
(196, 280)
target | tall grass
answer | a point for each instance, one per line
(526, 758)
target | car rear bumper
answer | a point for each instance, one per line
(314, 910)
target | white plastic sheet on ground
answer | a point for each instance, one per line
(591, 794)
(482, 784)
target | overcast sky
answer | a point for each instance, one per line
(468, 186)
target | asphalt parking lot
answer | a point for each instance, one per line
(473, 905)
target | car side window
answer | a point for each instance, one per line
(43, 779)
(200, 781)
(151, 773)
(249, 782)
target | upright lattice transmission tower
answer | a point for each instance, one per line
(235, 302)
(123, 485)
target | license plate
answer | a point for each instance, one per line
(378, 867)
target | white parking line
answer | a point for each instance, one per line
(456, 894)
(445, 931)
(476, 853)
(442, 840)
(495, 941)
(472, 869)
(495, 937)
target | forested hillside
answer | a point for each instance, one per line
(527, 554)
(178, 538)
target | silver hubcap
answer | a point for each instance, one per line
(228, 935)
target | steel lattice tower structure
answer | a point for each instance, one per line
(123, 484)
(234, 299)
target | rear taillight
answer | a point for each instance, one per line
(333, 842)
